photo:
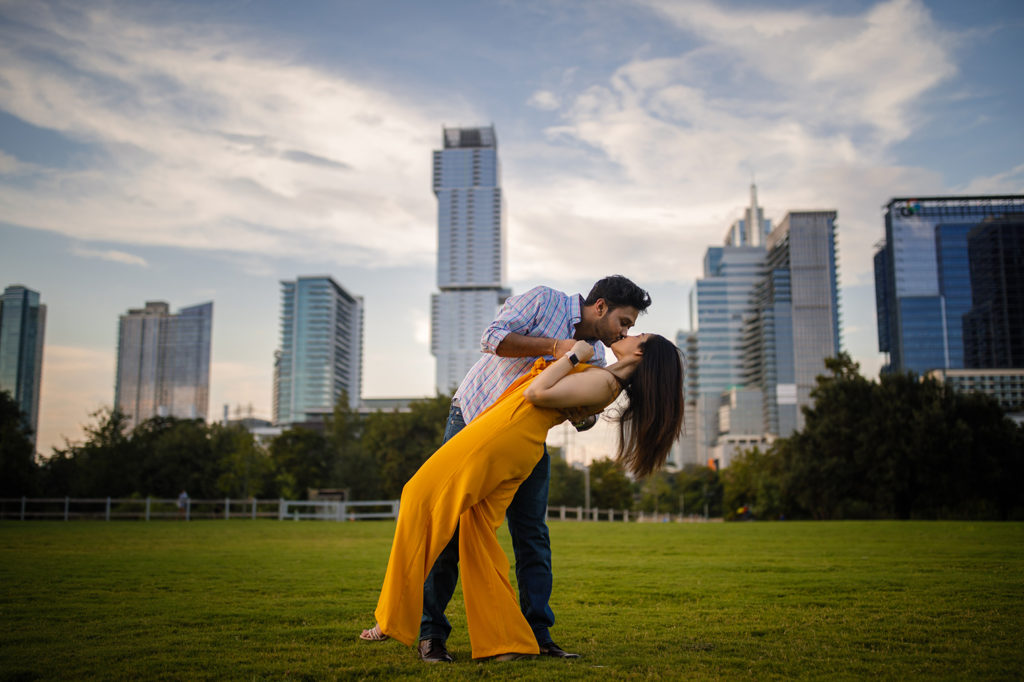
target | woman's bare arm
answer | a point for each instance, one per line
(593, 388)
(556, 387)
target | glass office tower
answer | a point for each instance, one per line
(470, 249)
(163, 362)
(22, 328)
(993, 327)
(795, 324)
(922, 278)
(722, 300)
(321, 353)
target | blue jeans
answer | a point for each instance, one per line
(527, 523)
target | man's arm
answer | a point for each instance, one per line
(507, 336)
(520, 346)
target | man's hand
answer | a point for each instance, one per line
(585, 424)
(581, 418)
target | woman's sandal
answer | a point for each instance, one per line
(374, 634)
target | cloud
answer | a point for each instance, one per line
(660, 154)
(1007, 182)
(544, 100)
(205, 140)
(111, 255)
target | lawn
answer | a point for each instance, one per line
(285, 600)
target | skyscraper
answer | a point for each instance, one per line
(923, 278)
(795, 324)
(767, 317)
(723, 301)
(470, 249)
(163, 362)
(22, 328)
(321, 353)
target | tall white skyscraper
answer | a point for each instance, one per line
(163, 362)
(321, 353)
(470, 250)
(22, 328)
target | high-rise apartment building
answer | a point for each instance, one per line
(470, 249)
(923, 277)
(163, 362)
(321, 353)
(22, 328)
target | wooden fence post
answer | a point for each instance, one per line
(227, 508)
(67, 505)
(254, 509)
(148, 500)
(24, 500)
(108, 508)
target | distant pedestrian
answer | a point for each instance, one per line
(182, 504)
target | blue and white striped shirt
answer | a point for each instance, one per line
(540, 312)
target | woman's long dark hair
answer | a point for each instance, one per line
(654, 417)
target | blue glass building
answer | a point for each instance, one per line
(993, 327)
(22, 328)
(922, 278)
(321, 353)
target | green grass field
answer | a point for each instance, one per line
(285, 600)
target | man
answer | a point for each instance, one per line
(539, 323)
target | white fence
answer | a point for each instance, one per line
(153, 508)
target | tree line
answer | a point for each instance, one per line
(898, 447)
(901, 447)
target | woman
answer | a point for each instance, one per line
(469, 482)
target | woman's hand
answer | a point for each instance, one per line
(583, 350)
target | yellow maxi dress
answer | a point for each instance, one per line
(469, 482)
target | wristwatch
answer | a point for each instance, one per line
(573, 358)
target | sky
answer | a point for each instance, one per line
(197, 151)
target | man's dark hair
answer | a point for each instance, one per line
(618, 291)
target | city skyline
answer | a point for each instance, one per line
(189, 151)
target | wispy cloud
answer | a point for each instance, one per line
(811, 103)
(110, 255)
(209, 141)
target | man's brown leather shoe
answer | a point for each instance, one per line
(434, 651)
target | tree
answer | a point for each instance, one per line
(356, 468)
(566, 485)
(656, 494)
(402, 442)
(754, 480)
(245, 469)
(17, 452)
(610, 488)
(302, 459)
(106, 463)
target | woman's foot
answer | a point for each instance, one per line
(374, 634)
